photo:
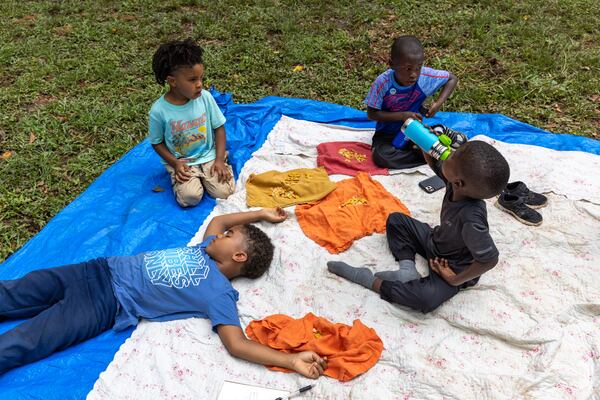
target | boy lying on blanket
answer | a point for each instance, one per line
(69, 304)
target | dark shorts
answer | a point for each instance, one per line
(387, 156)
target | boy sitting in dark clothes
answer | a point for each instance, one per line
(67, 305)
(398, 94)
(459, 250)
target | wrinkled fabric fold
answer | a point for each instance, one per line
(287, 188)
(358, 207)
(350, 350)
(347, 158)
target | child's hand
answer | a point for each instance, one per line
(274, 215)
(182, 171)
(309, 364)
(221, 170)
(427, 156)
(409, 114)
(441, 267)
(433, 109)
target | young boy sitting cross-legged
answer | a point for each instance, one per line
(69, 304)
(459, 250)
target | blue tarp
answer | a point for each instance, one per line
(119, 214)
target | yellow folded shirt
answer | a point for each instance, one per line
(288, 188)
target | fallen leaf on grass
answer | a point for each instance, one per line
(298, 68)
(158, 189)
(63, 30)
(32, 138)
(26, 19)
(42, 186)
(6, 154)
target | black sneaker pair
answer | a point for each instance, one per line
(457, 138)
(517, 200)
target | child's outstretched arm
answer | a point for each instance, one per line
(221, 223)
(307, 363)
(447, 90)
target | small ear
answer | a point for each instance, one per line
(240, 257)
(171, 80)
(459, 183)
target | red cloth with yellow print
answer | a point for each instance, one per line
(347, 158)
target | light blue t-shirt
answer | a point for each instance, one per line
(172, 284)
(187, 130)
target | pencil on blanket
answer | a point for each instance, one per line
(301, 390)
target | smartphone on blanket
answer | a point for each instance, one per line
(432, 184)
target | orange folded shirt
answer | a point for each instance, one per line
(357, 207)
(350, 350)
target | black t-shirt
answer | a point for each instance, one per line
(463, 234)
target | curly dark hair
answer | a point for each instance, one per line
(259, 250)
(173, 55)
(483, 165)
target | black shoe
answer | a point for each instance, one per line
(514, 205)
(532, 199)
(458, 138)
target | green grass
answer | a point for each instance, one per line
(76, 82)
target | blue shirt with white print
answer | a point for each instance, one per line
(171, 284)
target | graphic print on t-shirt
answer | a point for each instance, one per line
(178, 268)
(402, 100)
(189, 135)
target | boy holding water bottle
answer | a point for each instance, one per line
(459, 250)
(398, 94)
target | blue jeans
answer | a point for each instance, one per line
(65, 305)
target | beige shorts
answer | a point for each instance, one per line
(189, 193)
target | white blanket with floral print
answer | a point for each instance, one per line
(529, 329)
